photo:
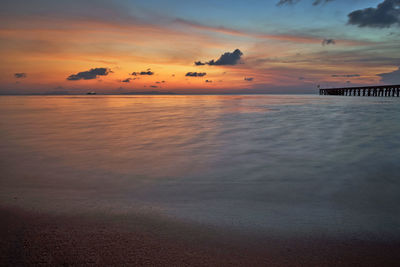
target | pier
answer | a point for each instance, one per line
(382, 90)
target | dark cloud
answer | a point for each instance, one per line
(195, 74)
(90, 74)
(208, 81)
(287, 2)
(153, 86)
(391, 77)
(292, 2)
(384, 15)
(301, 78)
(20, 75)
(127, 80)
(346, 75)
(147, 72)
(227, 58)
(328, 42)
(249, 79)
(317, 2)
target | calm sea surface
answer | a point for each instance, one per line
(287, 164)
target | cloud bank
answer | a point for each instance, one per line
(90, 74)
(227, 58)
(20, 75)
(147, 72)
(391, 77)
(195, 74)
(385, 15)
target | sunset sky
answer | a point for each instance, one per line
(214, 46)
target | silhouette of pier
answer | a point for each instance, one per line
(382, 90)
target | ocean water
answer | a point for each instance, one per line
(258, 163)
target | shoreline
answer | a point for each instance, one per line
(32, 238)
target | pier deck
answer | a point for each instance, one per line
(382, 90)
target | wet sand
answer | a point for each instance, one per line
(36, 238)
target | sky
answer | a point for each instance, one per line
(209, 46)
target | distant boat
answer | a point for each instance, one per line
(91, 93)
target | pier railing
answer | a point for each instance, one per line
(382, 90)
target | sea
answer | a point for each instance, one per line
(285, 164)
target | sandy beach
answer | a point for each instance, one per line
(34, 238)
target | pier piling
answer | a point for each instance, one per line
(381, 90)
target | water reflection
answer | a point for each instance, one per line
(250, 161)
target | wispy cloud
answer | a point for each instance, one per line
(292, 2)
(284, 37)
(345, 75)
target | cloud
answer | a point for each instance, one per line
(328, 42)
(20, 75)
(208, 81)
(391, 77)
(317, 2)
(345, 75)
(90, 74)
(384, 15)
(147, 72)
(153, 86)
(287, 2)
(195, 74)
(127, 80)
(227, 58)
(292, 2)
(294, 38)
(249, 79)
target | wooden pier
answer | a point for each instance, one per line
(382, 90)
